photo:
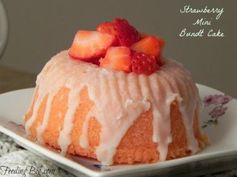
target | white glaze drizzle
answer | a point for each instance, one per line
(119, 99)
(64, 136)
(42, 126)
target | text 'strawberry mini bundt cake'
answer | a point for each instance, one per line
(113, 97)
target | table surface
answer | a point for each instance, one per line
(11, 79)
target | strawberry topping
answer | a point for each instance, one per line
(118, 45)
(144, 64)
(125, 34)
(118, 58)
(89, 45)
(149, 45)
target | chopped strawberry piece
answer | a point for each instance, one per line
(149, 45)
(118, 58)
(90, 45)
(125, 33)
(107, 27)
(161, 40)
(144, 64)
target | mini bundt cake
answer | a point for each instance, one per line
(114, 98)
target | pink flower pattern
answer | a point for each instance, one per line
(218, 111)
(18, 125)
(216, 100)
(219, 102)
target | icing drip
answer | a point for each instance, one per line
(42, 127)
(64, 137)
(119, 99)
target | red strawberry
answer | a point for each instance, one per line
(106, 27)
(118, 58)
(150, 45)
(122, 30)
(90, 45)
(144, 64)
(161, 40)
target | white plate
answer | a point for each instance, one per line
(222, 132)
